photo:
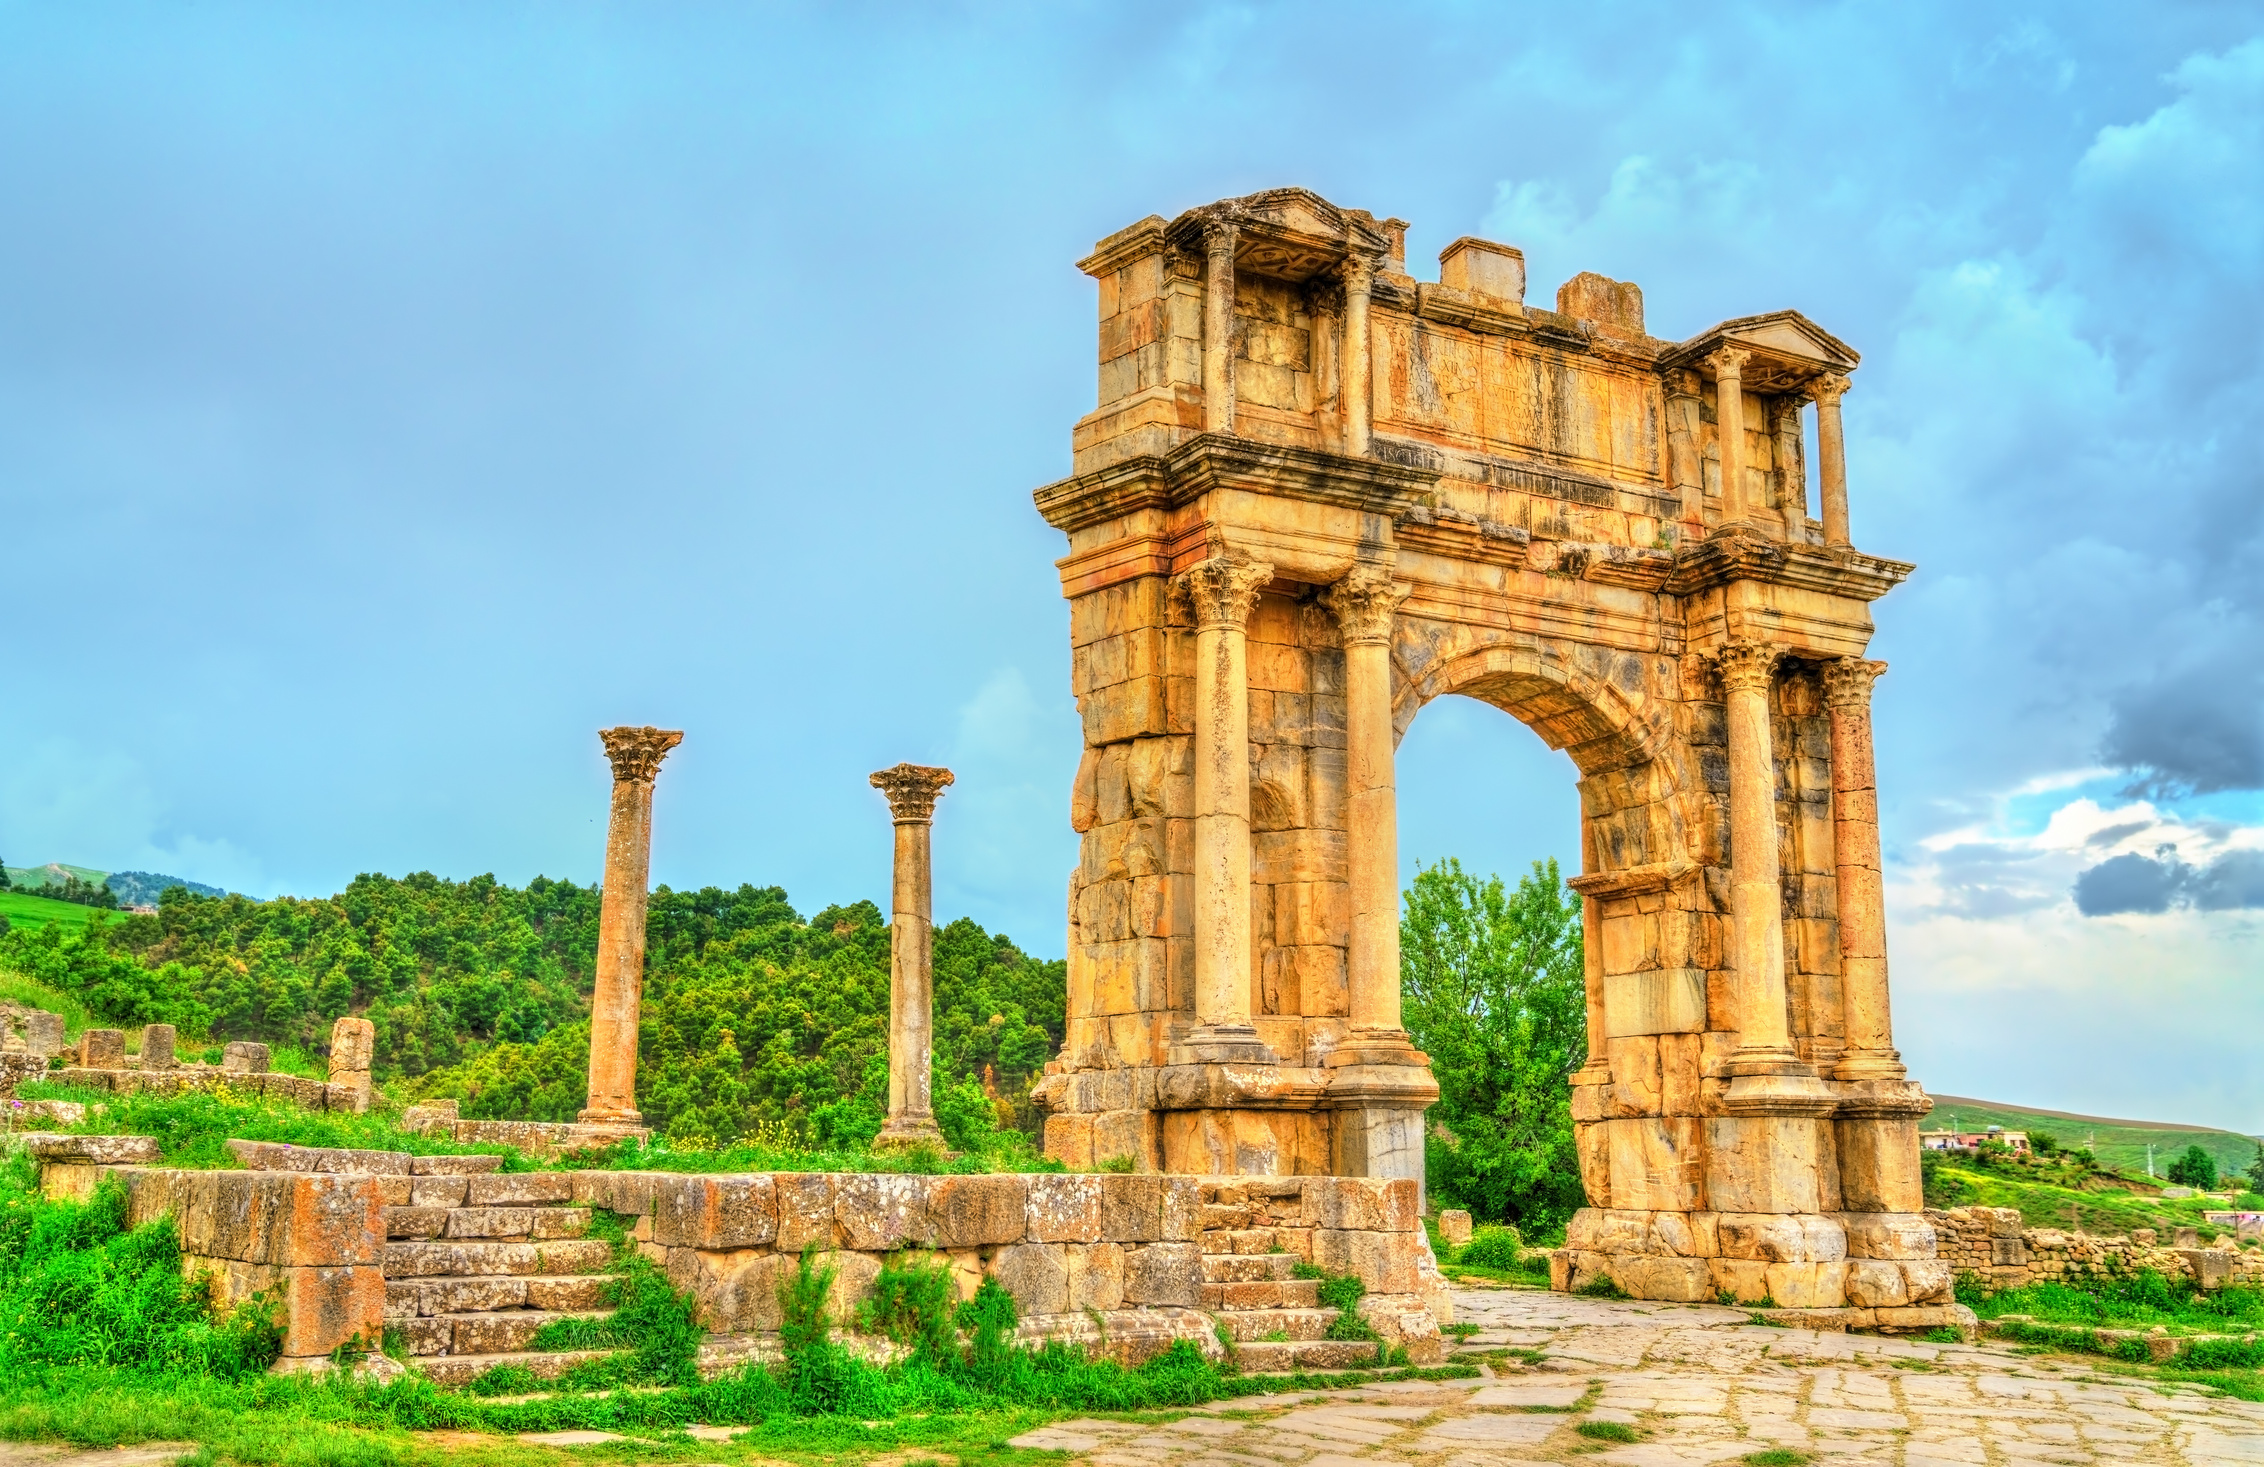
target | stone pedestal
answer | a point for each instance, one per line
(157, 1047)
(353, 1054)
(618, 996)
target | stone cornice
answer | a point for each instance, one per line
(1212, 461)
(1739, 554)
(1631, 880)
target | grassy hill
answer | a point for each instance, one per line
(38, 876)
(24, 910)
(2118, 1144)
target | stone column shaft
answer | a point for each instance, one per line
(1764, 1039)
(1364, 603)
(912, 791)
(1597, 1070)
(1831, 458)
(1218, 327)
(1223, 590)
(1729, 429)
(618, 994)
(1855, 857)
(1359, 280)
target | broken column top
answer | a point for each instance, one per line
(636, 752)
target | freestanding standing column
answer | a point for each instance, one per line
(912, 791)
(1364, 602)
(636, 754)
(1224, 590)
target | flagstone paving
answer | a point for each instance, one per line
(1698, 1384)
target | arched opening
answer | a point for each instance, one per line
(1478, 785)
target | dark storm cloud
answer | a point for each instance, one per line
(2233, 881)
(2199, 732)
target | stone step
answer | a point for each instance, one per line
(488, 1332)
(1264, 1294)
(1298, 1324)
(1276, 1358)
(435, 1258)
(1224, 1219)
(411, 1298)
(456, 1370)
(1247, 1268)
(539, 1223)
(521, 1189)
(1240, 1240)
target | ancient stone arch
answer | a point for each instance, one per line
(1316, 494)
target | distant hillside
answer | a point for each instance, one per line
(2119, 1144)
(143, 888)
(133, 888)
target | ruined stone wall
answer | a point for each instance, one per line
(1990, 1244)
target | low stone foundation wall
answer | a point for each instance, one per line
(315, 1242)
(1990, 1244)
(1885, 1264)
(1123, 1264)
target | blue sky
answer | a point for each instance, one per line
(392, 395)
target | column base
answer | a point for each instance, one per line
(907, 1133)
(1869, 1064)
(1778, 1094)
(1223, 1044)
(1375, 1047)
(602, 1115)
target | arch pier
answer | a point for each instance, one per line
(1317, 493)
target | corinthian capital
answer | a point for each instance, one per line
(636, 752)
(1364, 602)
(1847, 681)
(912, 791)
(1728, 361)
(1830, 387)
(1224, 589)
(1746, 667)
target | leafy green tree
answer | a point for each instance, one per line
(1494, 992)
(2255, 1172)
(2195, 1168)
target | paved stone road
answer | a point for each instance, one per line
(1701, 1385)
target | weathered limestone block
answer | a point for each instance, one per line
(1385, 1261)
(1150, 1208)
(1164, 1274)
(103, 1049)
(1888, 1235)
(1064, 1209)
(723, 1212)
(244, 1057)
(877, 1212)
(157, 1047)
(1780, 1237)
(1367, 1203)
(1685, 1280)
(970, 1212)
(481, 1165)
(353, 1051)
(735, 1289)
(1036, 1274)
(92, 1150)
(807, 1210)
(1454, 1226)
(1763, 1164)
(1094, 1275)
(1127, 1336)
(1405, 1320)
(1657, 1163)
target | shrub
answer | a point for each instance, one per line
(1607, 1431)
(1491, 1247)
(911, 1304)
(2196, 1168)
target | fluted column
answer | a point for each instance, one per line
(1364, 603)
(1831, 457)
(1870, 1053)
(1764, 1037)
(1223, 591)
(620, 980)
(912, 791)
(1219, 239)
(1728, 364)
(1359, 281)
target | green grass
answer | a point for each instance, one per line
(33, 994)
(23, 910)
(2130, 1301)
(1608, 1431)
(2099, 1209)
(2119, 1144)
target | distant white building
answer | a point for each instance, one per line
(1970, 1141)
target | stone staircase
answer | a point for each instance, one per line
(1274, 1318)
(477, 1261)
